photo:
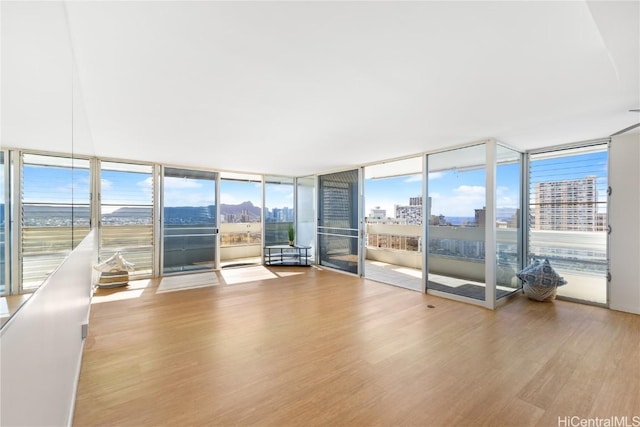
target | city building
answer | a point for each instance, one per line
(377, 214)
(480, 217)
(411, 214)
(568, 205)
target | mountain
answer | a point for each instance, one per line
(248, 207)
(186, 214)
(129, 212)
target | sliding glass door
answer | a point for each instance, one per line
(240, 219)
(393, 226)
(338, 218)
(188, 220)
(457, 222)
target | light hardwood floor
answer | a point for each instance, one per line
(312, 347)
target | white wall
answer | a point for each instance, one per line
(42, 98)
(41, 346)
(624, 218)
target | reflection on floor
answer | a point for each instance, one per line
(245, 270)
(411, 278)
(465, 288)
(187, 281)
(392, 274)
(240, 262)
(233, 272)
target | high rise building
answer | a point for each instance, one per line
(416, 201)
(481, 217)
(411, 214)
(567, 205)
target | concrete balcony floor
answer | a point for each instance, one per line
(584, 287)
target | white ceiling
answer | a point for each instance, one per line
(296, 88)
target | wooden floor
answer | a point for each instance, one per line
(311, 347)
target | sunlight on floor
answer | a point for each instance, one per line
(187, 281)
(134, 289)
(409, 272)
(247, 274)
(4, 307)
(117, 296)
(287, 273)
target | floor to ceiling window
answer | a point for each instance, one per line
(240, 219)
(508, 219)
(126, 214)
(188, 220)
(568, 217)
(306, 213)
(338, 224)
(456, 215)
(393, 223)
(55, 213)
(279, 210)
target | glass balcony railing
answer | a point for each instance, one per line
(459, 252)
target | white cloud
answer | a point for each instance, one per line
(180, 183)
(436, 175)
(474, 191)
(182, 198)
(463, 202)
(501, 189)
(228, 199)
(105, 184)
(146, 183)
(413, 178)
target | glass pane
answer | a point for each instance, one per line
(306, 210)
(456, 206)
(508, 255)
(568, 218)
(279, 212)
(126, 214)
(189, 218)
(241, 219)
(55, 213)
(393, 226)
(338, 220)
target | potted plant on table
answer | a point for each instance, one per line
(292, 235)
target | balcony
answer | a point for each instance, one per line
(457, 258)
(393, 254)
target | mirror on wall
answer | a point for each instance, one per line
(42, 112)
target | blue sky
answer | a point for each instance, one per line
(459, 193)
(453, 193)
